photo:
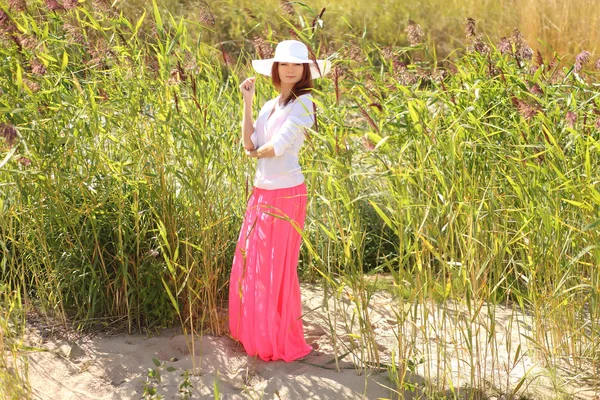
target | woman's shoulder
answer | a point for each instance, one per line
(304, 99)
(303, 107)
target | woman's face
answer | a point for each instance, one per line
(290, 73)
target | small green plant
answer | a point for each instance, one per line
(185, 387)
(153, 380)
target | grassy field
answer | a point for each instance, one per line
(567, 27)
(474, 178)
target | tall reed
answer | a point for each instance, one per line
(472, 183)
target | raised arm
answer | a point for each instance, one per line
(247, 88)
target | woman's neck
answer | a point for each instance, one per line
(286, 90)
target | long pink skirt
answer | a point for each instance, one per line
(264, 292)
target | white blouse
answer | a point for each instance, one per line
(284, 129)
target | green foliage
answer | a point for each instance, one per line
(154, 379)
(122, 194)
(185, 387)
(13, 364)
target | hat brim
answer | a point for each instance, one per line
(263, 67)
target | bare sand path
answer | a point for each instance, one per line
(117, 366)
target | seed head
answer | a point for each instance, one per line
(598, 124)
(517, 37)
(480, 47)
(73, 33)
(190, 64)
(3, 17)
(582, 59)
(70, 4)
(405, 77)
(571, 118)
(439, 75)
(26, 41)
(492, 69)
(6, 25)
(470, 30)
(181, 72)
(287, 7)
(527, 110)
(553, 64)
(54, 6)
(523, 51)
(597, 66)
(423, 74)
(37, 67)
(174, 77)
(313, 57)
(9, 133)
(262, 47)
(104, 7)
(504, 46)
(354, 52)
(536, 89)
(370, 121)
(415, 33)
(24, 161)
(206, 16)
(17, 5)
(377, 106)
(337, 73)
(317, 21)
(33, 86)
(388, 53)
(539, 60)
(476, 43)
(227, 58)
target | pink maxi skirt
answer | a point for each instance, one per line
(264, 292)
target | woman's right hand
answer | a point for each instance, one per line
(247, 88)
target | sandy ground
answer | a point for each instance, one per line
(437, 359)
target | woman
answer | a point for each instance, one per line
(264, 292)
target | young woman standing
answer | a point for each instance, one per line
(264, 293)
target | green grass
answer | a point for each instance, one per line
(123, 193)
(13, 364)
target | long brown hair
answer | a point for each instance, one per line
(301, 87)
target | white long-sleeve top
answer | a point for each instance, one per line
(284, 129)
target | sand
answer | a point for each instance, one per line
(117, 366)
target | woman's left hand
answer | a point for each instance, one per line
(252, 153)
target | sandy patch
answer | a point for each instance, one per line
(437, 357)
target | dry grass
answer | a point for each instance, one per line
(567, 27)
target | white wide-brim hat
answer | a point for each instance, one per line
(295, 52)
